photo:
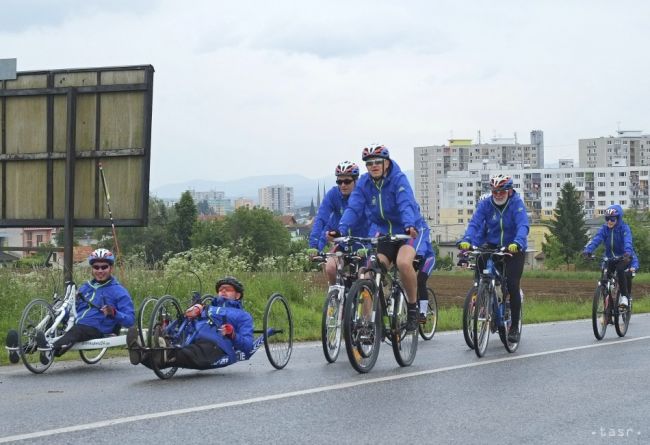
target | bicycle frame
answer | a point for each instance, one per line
(492, 275)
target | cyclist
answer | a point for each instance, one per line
(616, 235)
(330, 211)
(384, 197)
(103, 307)
(221, 328)
(502, 221)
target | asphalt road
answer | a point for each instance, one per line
(561, 387)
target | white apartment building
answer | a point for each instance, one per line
(277, 198)
(217, 201)
(599, 188)
(433, 163)
(627, 148)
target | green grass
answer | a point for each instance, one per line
(305, 293)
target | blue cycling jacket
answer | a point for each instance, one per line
(617, 240)
(499, 227)
(95, 295)
(328, 217)
(389, 204)
(223, 311)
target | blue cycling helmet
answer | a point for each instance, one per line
(101, 255)
(375, 151)
(613, 211)
(347, 168)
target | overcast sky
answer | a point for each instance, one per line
(248, 88)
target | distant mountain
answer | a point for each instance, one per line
(304, 189)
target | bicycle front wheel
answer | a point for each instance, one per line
(361, 326)
(405, 344)
(145, 312)
(163, 333)
(600, 313)
(37, 316)
(331, 323)
(468, 316)
(622, 319)
(482, 317)
(428, 328)
(278, 331)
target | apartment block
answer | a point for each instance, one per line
(277, 198)
(434, 163)
(627, 148)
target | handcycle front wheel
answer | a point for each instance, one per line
(361, 326)
(278, 331)
(622, 318)
(405, 344)
(166, 319)
(600, 313)
(481, 322)
(469, 305)
(428, 328)
(331, 325)
(37, 316)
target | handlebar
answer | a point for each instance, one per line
(372, 240)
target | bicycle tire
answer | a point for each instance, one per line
(38, 315)
(331, 325)
(599, 315)
(428, 328)
(503, 332)
(468, 315)
(145, 312)
(405, 344)
(361, 332)
(165, 320)
(622, 318)
(92, 356)
(481, 319)
(278, 331)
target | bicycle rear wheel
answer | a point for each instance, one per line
(361, 331)
(622, 318)
(163, 333)
(92, 356)
(428, 328)
(145, 312)
(37, 316)
(481, 322)
(405, 344)
(600, 313)
(331, 325)
(468, 316)
(278, 331)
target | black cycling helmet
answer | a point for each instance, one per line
(234, 282)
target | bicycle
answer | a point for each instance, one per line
(376, 309)
(170, 328)
(605, 303)
(54, 320)
(347, 267)
(492, 309)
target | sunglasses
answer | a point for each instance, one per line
(372, 162)
(344, 181)
(498, 192)
(611, 218)
(226, 288)
(102, 267)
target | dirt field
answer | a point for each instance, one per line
(452, 290)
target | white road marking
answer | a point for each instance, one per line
(215, 406)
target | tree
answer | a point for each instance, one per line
(638, 223)
(204, 208)
(258, 229)
(152, 241)
(312, 209)
(568, 232)
(183, 223)
(209, 233)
